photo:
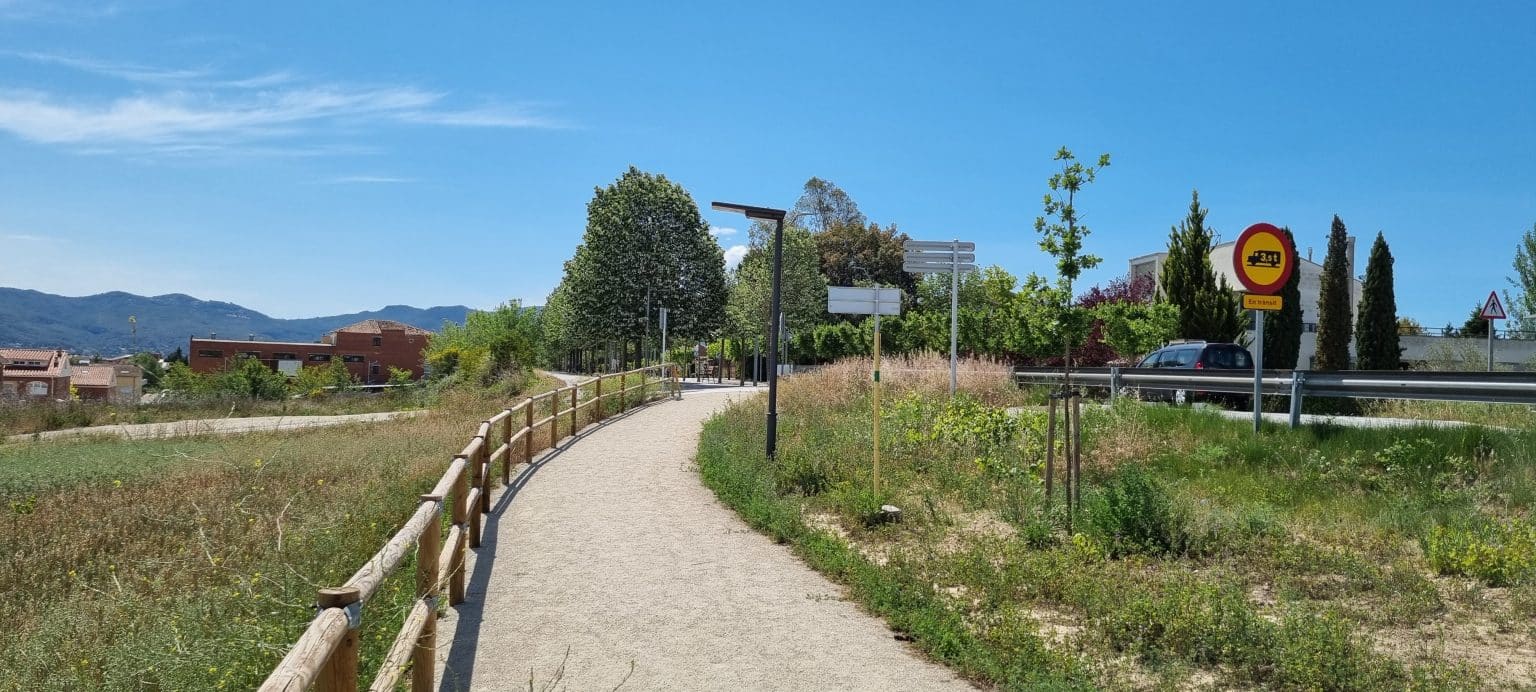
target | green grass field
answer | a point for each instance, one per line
(1203, 556)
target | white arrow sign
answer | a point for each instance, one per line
(928, 268)
(1493, 309)
(859, 300)
(938, 245)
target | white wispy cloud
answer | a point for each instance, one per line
(733, 255)
(56, 10)
(722, 231)
(22, 238)
(198, 109)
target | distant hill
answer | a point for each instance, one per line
(99, 323)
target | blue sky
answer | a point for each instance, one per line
(316, 158)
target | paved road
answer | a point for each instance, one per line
(609, 565)
(213, 426)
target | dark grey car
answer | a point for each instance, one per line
(1196, 355)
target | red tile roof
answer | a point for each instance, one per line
(93, 376)
(378, 327)
(53, 362)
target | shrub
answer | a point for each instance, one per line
(1497, 554)
(1132, 513)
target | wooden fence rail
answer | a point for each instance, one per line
(326, 656)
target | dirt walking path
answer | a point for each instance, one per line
(213, 426)
(609, 565)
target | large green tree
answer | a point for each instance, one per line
(1334, 317)
(1521, 305)
(1376, 342)
(822, 206)
(1283, 328)
(858, 255)
(1208, 309)
(803, 290)
(645, 247)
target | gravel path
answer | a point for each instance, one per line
(609, 565)
(213, 426)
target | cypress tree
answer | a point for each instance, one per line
(1208, 309)
(1376, 342)
(1333, 310)
(1282, 328)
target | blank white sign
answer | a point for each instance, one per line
(860, 300)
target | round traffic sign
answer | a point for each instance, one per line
(1263, 259)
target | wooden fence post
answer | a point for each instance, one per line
(575, 389)
(528, 436)
(424, 658)
(483, 462)
(599, 395)
(623, 379)
(471, 514)
(506, 439)
(340, 670)
(461, 514)
(554, 418)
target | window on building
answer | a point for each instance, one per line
(285, 356)
(378, 341)
(319, 357)
(353, 359)
(37, 388)
(373, 369)
(251, 354)
(209, 353)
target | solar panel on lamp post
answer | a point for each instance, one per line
(777, 217)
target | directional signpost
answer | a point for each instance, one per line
(1492, 310)
(858, 300)
(937, 257)
(1263, 259)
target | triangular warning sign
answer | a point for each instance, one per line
(1493, 309)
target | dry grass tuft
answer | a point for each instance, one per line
(846, 380)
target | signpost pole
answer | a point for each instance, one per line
(954, 317)
(1258, 368)
(1490, 345)
(877, 404)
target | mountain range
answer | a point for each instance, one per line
(99, 324)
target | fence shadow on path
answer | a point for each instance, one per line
(459, 667)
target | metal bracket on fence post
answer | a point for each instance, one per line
(1114, 383)
(1298, 386)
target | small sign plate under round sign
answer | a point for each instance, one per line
(1253, 301)
(1263, 259)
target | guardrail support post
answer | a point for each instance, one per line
(424, 658)
(340, 670)
(1298, 388)
(1114, 383)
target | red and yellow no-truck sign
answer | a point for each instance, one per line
(1263, 259)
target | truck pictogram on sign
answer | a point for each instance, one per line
(1264, 258)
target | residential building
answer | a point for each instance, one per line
(31, 374)
(117, 383)
(368, 348)
(371, 347)
(1310, 285)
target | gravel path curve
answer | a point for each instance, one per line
(214, 426)
(609, 565)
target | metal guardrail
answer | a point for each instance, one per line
(1481, 387)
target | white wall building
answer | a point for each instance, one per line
(1310, 286)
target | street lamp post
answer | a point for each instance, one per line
(777, 217)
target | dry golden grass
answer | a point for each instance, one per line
(844, 381)
(193, 563)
